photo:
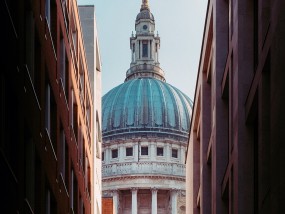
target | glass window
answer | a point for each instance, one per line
(47, 10)
(129, 151)
(144, 150)
(159, 151)
(51, 205)
(47, 108)
(114, 153)
(63, 150)
(174, 153)
(72, 189)
(145, 50)
(103, 156)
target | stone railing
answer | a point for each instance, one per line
(135, 168)
(144, 68)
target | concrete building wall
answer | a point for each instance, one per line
(46, 110)
(91, 47)
(234, 156)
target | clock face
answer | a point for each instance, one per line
(145, 27)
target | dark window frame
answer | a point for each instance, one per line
(173, 154)
(144, 49)
(159, 151)
(114, 153)
(144, 150)
(129, 151)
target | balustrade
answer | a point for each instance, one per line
(157, 168)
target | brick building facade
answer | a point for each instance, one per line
(47, 110)
(235, 158)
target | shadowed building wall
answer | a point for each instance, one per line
(235, 156)
(46, 110)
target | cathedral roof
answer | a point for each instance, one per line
(145, 14)
(146, 106)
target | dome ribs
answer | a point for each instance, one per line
(171, 111)
(145, 106)
(158, 104)
(128, 107)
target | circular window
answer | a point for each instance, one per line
(145, 27)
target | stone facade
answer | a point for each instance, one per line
(145, 128)
(164, 173)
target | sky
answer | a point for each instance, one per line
(180, 25)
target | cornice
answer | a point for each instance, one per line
(134, 177)
(136, 140)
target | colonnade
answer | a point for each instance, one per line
(154, 191)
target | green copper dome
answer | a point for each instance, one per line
(146, 106)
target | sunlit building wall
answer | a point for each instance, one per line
(91, 44)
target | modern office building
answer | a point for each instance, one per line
(145, 126)
(48, 129)
(235, 156)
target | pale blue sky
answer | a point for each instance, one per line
(180, 24)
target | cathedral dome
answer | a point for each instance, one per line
(148, 107)
(145, 14)
(145, 127)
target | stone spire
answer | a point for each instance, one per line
(144, 47)
(145, 5)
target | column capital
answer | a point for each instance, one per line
(174, 191)
(114, 192)
(154, 190)
(134, 189)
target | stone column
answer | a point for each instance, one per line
(182, 154)
(152, 151)
(168, 152)
(140, 49)
(116, 201)
(135, 152)
(174, 194)
(157, 53)
(134, 200)
(133, 52)
(154, 201)
(121, 152)
(149, 49)
(107, 155)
